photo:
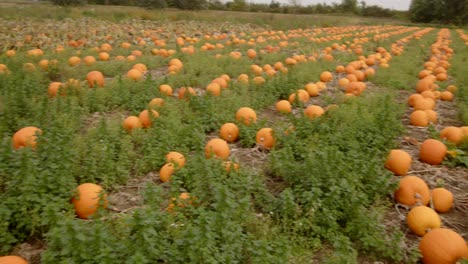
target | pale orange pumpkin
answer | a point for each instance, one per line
(134, 74)
(165, 89)
(95, 78)
(326, 76)
(419, 118)
(156, 102)
(412, 190)
(421, 218)
(131, 122)
(176, 158)
(313, 111)
(89, 197)
(442, 246)
(217, 148)
(283, 106)
(432, 152)
(166, 171)
(12, 260)
(229, 132)
(26, 137)
(302, 95)
(398, 162)
(442, 199)
(246, 115)
(145, 119)
(265, 138)
(452, 134)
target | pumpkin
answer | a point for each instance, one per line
(131, 122)
(413, 98)
(141, 67)
(26, 137)
(398, 162)
(258, 80)
(442, 199)
(134, 74)
(176, 158)
(424, 104)
(54, 88)
(103, 56)
(246, 115)
(186, 93)
(421, 218)
(313, 111)
(145, 118)
(451, 88)
(87, 200)
(183, 200)
(12, 260)
(166, 172)
(229, 132)
(431, 115)
(10, 53)
(452, 134)
(312, 89)
(326, 76)
(156, 102)
(424, 85)
(446, 96)
(412, 190)
(95, 78)
(419, 118)
(165, 89)
(213, 89)
(303, 96)
(265, 138)
(89, 60)
(432, 152)
(74, 60)
(442, 246)
(283, 106)
(228, 165)
(217, 148)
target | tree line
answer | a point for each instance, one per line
(425, 11)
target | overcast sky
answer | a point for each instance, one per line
(393, 4)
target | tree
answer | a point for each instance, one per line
(349, 6)
(152, 4)
(69, 2)
(238, 5)
(190, 4)
(444, 11)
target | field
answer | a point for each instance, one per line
(292, 139)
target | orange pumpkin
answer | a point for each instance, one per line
(184, 200)
(166, 172)
(413, 98)
(186, 93)
(452, 134)
(131, 122)
(431, 116)
(229, 132)
(313, 111)
(326, 76)
(303, 96)
(411, 190)
(176, 157)
(442, 246)
(12, 260)
(145, 118)
(246, 115)
(432, 152)
(95, 78)
(26, 137)
(165, 89)
(156, 102)
(228, 165)
(213, 89)
(398, 162)
(421, 218)
(419, 118)
(446, 96)
(134, 74)
(88, 199)
(442, 200)
(54, 88)
(265, 138)
(283, 106)
(312, 89)
(217, 148)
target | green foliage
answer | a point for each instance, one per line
(445, 11)
(154, 4)
(189, 4)
(349, 6)
(69, 2)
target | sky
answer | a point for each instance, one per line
(393, 4)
